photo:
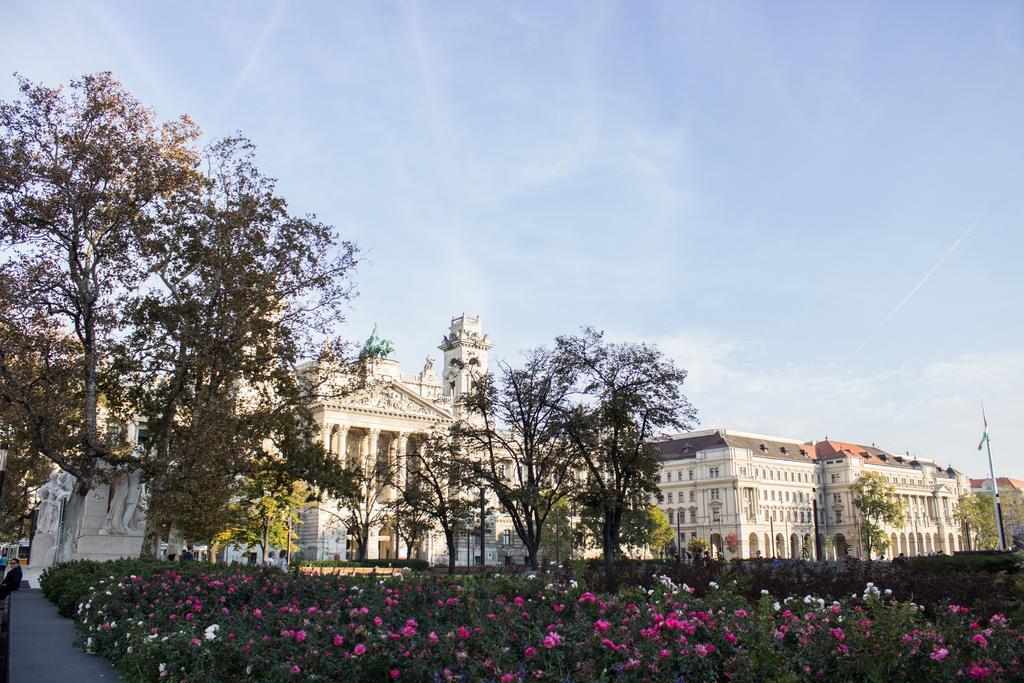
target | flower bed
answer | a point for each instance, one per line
(221, 624)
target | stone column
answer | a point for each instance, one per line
(343, 444)
(403, 460)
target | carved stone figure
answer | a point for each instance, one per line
(428, 366)
(48, 509)
(132, 517)
(113, 525)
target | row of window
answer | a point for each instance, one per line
(713, 494)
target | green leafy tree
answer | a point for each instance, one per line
(660, 532)
(698, 545)
(212, 359)
(879, 506)
(83, 174)
(439, 485)
(557, 543)
(979, 514)
(264, 515)
(516, 420)
(625, 394)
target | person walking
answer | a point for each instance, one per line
(12, 581)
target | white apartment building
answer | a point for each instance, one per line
(753, 495)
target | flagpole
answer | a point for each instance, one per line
(995, 482)
(999, 506)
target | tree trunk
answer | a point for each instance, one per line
(532, 552)
(449, 538)
(364, 543)
(607, 545)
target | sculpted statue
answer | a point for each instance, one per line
(51, 495)
(47, 505)
(124, 513)
(428, 366)
(132, 517)
(375, 347)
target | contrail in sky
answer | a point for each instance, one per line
(918, 286)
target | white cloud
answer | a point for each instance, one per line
(930, 408)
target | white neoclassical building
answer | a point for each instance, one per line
(388, 421)
(753, 495)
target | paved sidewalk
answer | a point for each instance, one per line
(42, 645)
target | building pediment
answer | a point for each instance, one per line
(393, 399)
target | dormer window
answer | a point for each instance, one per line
(784, 450)
(764, 448)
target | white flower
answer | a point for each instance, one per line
(163, 669)
(888, 591)
(211, 631)
(129, 649)
(764, 591)
(712, 584)
(776, 607)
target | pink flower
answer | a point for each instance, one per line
(665, 653)
(300, 636)
(464, 633)
(939, 654)
(552, 640)
(978, 671)
(378, 621)
(741, 613)
(338, 640)
(508, 678)
(731, 637)
(433, 638)
(601, 625)
(394, 673)
(704, 649)
(838, 634)
(295, 669)
(979, 640)
(195, 641)
(530, 651)
(359, 650)
(518, 600)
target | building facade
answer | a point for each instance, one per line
(385, 423)
(1011, 495)
(752, 495)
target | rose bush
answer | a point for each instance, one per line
(211, 623)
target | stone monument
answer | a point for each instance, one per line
(106, 524)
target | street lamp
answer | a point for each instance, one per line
(483, 527)
(4, 449)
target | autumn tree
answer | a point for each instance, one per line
(516, 421)
(623, 395)
(559, 541)
(264, 514)
(879, 506)
(978, 513)
(240, 291)
(83, 174)
(438, 483)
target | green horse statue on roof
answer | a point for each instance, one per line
(375, 347)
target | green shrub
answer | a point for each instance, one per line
(992, 562)
(68, 585)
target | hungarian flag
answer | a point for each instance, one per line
(984, 437)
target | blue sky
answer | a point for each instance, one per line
(756, 187)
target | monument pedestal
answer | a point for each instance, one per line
(106, 524)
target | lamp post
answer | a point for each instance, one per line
(483, 527)
(679, 538)
(4, 449)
